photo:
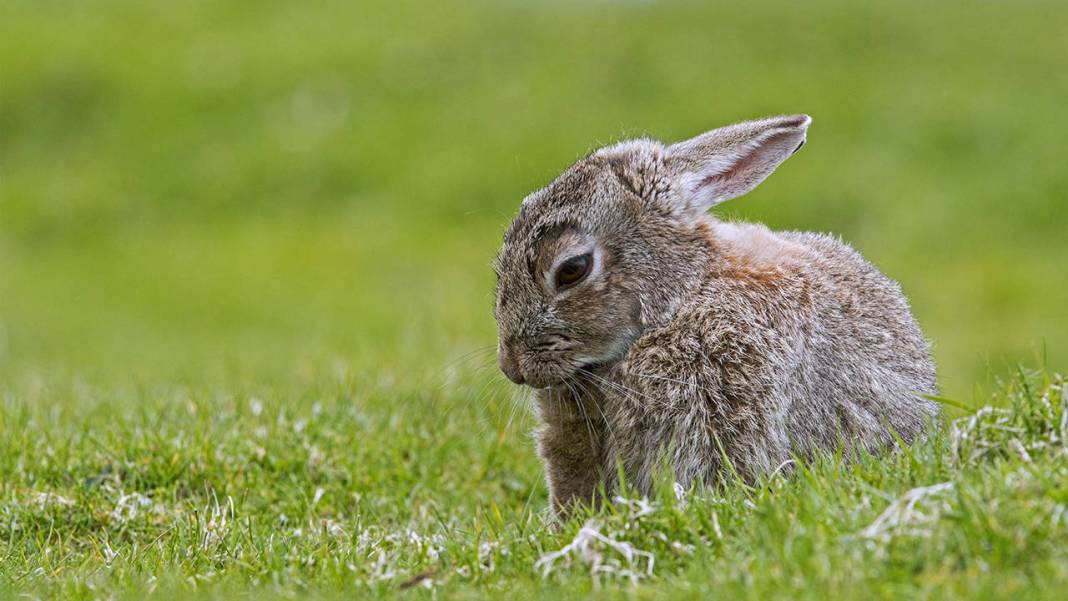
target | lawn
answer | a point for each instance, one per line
(246, 335)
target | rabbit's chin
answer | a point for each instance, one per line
(549, 380)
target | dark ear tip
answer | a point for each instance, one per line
(801, 121)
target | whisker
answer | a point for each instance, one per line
(604, 418)
(585, 417)
(517, 404)
(627, 392)
(474, 354)
(692, 384)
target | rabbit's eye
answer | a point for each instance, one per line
(572, 271)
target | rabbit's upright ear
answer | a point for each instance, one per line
(730, 161)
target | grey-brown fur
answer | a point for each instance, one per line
(695, 337)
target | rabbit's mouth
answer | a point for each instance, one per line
(570, 372)
(558, 372)
(560, 359)
(590, 368)
(548, 377)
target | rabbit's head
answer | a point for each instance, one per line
(613, 245)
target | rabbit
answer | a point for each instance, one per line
(657, 335)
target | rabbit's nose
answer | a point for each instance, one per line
(510, 366)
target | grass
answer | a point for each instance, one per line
(336, 493)
(244, 274)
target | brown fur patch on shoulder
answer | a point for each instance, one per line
(753, 274)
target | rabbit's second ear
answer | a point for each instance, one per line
(727, 162)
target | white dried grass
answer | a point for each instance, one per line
(911, 514)
(603, 555)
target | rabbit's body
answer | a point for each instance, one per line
(793, 342)
(695, 338)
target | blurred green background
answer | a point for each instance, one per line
(194, 189)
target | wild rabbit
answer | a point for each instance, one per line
(648, 327)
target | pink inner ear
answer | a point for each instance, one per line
(728, 162)
(750, 169)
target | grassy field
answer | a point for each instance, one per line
(245, 297)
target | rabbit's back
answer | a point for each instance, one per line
(863, 347)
